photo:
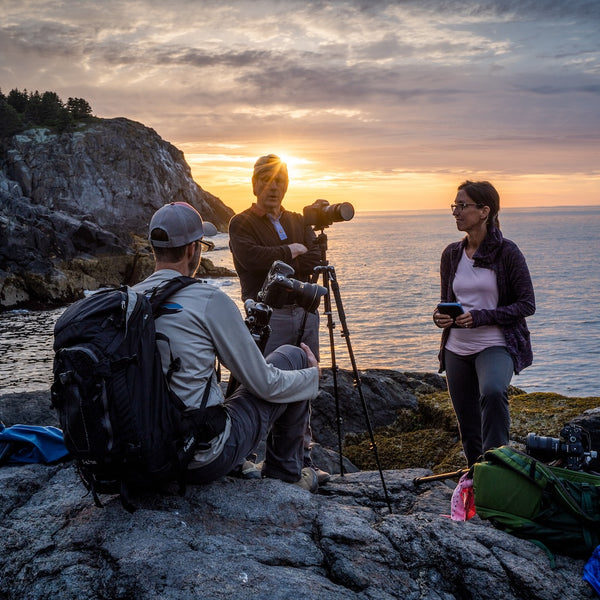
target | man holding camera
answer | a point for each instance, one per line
(202, 323)
(263, 234)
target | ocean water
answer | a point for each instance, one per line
(387, 269)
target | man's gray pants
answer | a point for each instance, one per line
(286, 324)
(252, 419)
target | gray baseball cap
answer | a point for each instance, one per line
(181, 223)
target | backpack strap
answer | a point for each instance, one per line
(157, 298)
(206, 422)
(165, 290)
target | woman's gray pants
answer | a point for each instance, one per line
(478, 386)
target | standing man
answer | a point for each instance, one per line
(203, 323)
(267, 232)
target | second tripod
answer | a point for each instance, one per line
(330, 282)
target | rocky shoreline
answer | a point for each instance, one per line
(266, 539)
(75, 208)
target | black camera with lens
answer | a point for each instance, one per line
(321, 214)
(279, 289)
(574, 449)
(257, 320)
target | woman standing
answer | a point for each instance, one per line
(483, 346)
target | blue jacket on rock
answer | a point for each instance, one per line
(516, 299)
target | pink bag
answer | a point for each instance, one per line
(462, 505)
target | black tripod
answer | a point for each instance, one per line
(330, 282)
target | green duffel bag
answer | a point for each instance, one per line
(557, 508)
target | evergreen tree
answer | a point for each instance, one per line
(65, 120)
(10, 121)
(79, 108)
(18, 100)
(33, 110)
(50, 109)
(20, 109)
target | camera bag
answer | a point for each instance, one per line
(121, 422)
(557, 508)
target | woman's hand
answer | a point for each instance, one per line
(442, 320)
(465, 320)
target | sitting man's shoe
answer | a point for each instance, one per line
(322, 476)
(247, 470)
(250, 470)
(309, 480)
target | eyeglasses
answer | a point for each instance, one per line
(460, 206)
(205, 245)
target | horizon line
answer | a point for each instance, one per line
(414, 210)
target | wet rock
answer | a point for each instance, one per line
(263, 539)
(249, 539)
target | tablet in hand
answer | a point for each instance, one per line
(450, 308)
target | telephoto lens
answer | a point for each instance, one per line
(321, 214)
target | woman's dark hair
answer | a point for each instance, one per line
(484, 194)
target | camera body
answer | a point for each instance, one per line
(321, 214)
(279, 289)
(257, 320)
(574, 448)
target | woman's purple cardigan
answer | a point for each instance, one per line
(516, 299)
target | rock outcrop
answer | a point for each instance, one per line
(75, 207)
(242, 540)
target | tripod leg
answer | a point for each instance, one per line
(302, 329)
(334, 367)
(335, 288)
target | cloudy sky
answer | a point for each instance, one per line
(388, 105)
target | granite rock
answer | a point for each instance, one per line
(255, 539)
(75, 208)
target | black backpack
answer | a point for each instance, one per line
(120, 420)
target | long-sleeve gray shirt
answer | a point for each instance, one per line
(204, 323)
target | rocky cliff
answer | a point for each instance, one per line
(253, 540)
(75, 207)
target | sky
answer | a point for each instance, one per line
(389, 105)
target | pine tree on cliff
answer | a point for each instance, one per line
(21, 109)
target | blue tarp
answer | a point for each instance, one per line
(591, 571)
(31, 444)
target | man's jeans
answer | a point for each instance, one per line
(252, 418)
(286, 323)
(478, 386)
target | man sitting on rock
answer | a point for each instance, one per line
(203, 323)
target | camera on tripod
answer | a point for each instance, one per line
(321, 214)
(279, 289)
(574, 449)
(257, 320)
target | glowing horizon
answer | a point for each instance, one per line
(230, 180)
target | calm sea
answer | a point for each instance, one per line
(387, 268)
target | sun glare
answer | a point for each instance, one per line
(294, 163)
